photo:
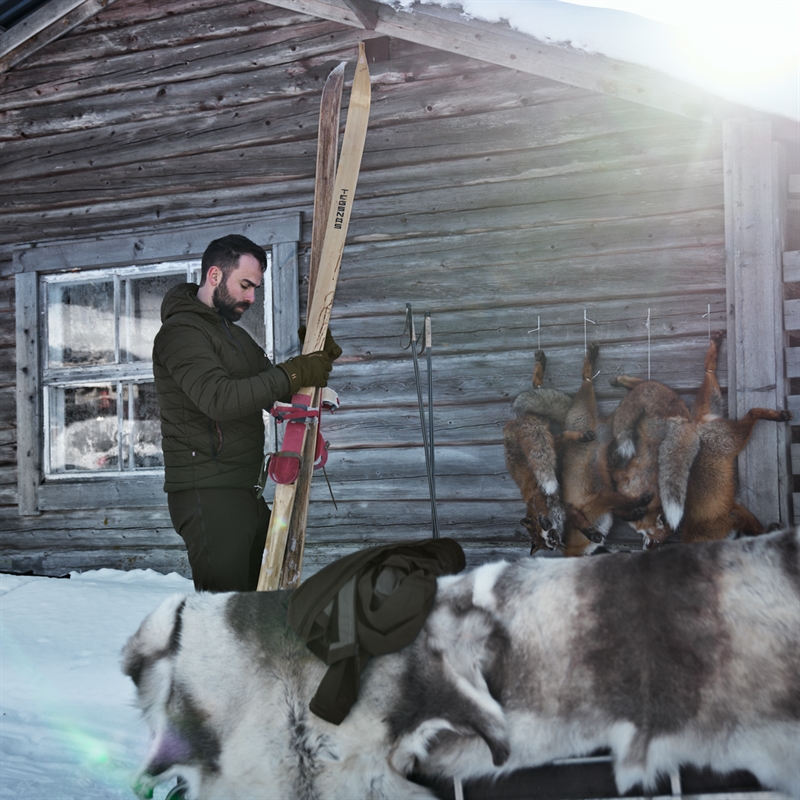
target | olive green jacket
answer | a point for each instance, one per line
(212, 382)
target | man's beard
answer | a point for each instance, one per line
(225, 304)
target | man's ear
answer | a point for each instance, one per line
(214, 276)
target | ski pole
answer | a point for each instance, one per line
(425, 440)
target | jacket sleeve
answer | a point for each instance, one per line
(187, 354)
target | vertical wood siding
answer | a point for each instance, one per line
(490, 198)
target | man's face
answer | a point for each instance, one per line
(232, 297)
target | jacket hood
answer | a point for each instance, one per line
(183, 298)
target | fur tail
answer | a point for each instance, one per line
(676, 454)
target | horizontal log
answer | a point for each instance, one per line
(9, 496)
(465, 278)
(129, 250)
(582, 240)
(60, 563)
(8, 474)
(409, 189)
(795, 451)
(85, 538)
(230, 91)
(163, 64)
(140, 26)
(43, 26)
(511, 325)
(463, 378)
(293, 120)
(106, 519)
(792, 356)
(121, 492)
(791, 266)
(791, 316)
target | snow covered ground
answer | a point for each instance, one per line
(69, 729)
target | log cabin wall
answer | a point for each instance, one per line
(498, 201)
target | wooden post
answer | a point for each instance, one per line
(29, 418)
(753, 235)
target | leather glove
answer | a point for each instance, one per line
(330, 346)
(310, 370)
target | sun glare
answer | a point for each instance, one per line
(739, 41)
(732, 40)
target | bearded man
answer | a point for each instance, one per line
(213, 381)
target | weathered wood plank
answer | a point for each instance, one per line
(475, 378)
(436, 278)
(507, 179)
(181, 242)
(124, 492)
(463, 131)
(8, 472)
(791, 266)
(795, 455)
(26, 111)
(509, 325)
(43, 26)
(545, 243)
(58, 563)
(792, 355)
(28, 403)
(54, 522)
(791, 317)
(137, 27)
(754, 269)
(161, 66)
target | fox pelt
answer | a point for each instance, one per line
(654, 463)
(530, 451)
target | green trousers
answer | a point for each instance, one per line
(224, 531)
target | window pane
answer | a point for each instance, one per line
(80, 322)
(142, 311)
(142, 427)
(83, 428)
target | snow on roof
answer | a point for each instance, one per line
(745, 52)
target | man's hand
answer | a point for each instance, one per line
(310, 370)
(330, 346)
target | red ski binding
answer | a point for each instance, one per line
(284, 466)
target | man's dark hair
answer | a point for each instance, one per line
(224, 253)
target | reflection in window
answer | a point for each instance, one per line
(80, 323)
(100, 406)
(104, 427)
(100, 402)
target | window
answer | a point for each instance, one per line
(99, 401)
(88, 422)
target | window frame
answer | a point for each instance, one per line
(128, 489)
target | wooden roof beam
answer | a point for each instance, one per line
(48, 23)
(448, 29)
(366, 11)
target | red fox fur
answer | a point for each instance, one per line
(588, 489)
(711, 511)
(531, 460)
(650, 421)
(688, 460)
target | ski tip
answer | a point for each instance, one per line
(339, 68)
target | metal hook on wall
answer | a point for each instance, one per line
(538, 330)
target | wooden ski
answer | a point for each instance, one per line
(319, 310)
(327, 152)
